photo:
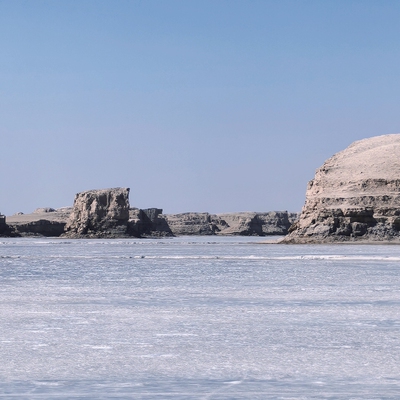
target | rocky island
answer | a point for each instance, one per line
(106, 213)
(354, 196)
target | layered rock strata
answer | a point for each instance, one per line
(99, 213)
(242, 223)
(106, 213)
(42, 222)
(149, 222)
(257, 224)
(354, 196)
(193, 223)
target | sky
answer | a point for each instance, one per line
(196, 105)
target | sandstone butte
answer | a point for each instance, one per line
(354, 196)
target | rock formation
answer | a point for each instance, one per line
(148, 222)
(354, 196)
(193, 223)
(99, 213)
(106, 213)
(257, 224)
(242, 223)
(42, 222)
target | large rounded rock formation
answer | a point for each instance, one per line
(354, 196)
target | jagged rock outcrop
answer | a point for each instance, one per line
(151, 222)
(354, 196)
(242, 223)
(148, 222)
(99, 213)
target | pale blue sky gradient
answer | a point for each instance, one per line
(215, 106)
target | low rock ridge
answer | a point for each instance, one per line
(354, 196)
(241, 223)
(106, 213)
(42, 222)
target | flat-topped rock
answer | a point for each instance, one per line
(99, 213)
(41, 222)
(59, 215)
(354, 196)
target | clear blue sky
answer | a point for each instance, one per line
(195, 105)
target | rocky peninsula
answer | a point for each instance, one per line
(106, 213)
(354, 196)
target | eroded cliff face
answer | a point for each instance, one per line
(149, 222)
(354, 196)
(99, 213)
(257, 224)
(192, 223)
(241, 223)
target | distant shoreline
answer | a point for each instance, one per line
(49, 222)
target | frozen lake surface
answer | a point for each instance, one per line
(198, 318)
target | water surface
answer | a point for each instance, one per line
(198, 318)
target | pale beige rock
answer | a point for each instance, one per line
(354, 196)
(99, 213)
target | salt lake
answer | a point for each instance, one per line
(198, 318)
